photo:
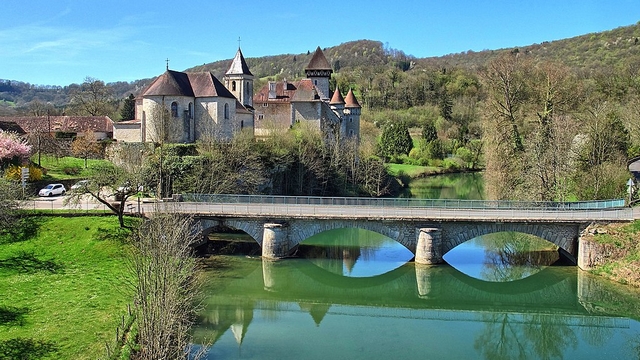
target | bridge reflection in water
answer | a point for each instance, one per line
(545, 314)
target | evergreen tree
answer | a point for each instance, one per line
(429, 132)
(128, 111)
(395, 140)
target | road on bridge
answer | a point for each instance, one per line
(300, 211)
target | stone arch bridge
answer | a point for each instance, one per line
(428, 228)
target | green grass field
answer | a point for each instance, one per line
(412, 171)
(68, 167)
(62, 287)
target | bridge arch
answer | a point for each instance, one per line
(565, 236)
(253, 228)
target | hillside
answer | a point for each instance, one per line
(357, 64)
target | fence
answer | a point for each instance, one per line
(405, 202)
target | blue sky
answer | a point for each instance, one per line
(61, 42)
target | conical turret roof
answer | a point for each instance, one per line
(351, 101)
(239, 65)
(337, 98)
(318, 61)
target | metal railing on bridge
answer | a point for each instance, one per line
(405, 202)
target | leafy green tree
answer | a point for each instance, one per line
(128, 111)
(395, 140)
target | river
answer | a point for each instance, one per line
(355, 294)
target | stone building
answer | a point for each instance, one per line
(181, 107)
(187, 107)
(281, 104)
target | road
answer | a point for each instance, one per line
(346, 212)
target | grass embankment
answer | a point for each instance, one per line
(67, 167)
(413, 171)
(62, 288)
(624, 265)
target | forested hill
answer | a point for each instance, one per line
(617, 48)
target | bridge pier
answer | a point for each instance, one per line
(275, 241)
(429, 246)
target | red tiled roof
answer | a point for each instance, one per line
(175, 83)
(11, 126)
(351, 101)
(318, 61)
(77, 124)
(337, 98)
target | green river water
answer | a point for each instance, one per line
(354, 294)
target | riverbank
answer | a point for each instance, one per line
(62, 285)
(622, 241)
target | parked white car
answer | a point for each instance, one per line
(52, 189)
(80, 185)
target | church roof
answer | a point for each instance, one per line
(204, 84)
(239, 65)
(175, 83)
(351, 101)
(318, 61)
(172, 83)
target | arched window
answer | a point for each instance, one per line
(174, 109)
(226, 111)
(233, 86)
(190, 110)
(242, 124)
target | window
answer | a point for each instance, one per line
(226, 111)
(350, 120)
(233, 86)
(242, 124)
(174, 109)
(260, 116)
(265, 104)
(190, 111)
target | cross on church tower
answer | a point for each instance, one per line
(167, 63)
(238, 42)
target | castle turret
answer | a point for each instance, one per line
(239, 80)
(352, 110)
(337, 103)
(319, 71)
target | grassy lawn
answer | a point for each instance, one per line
(62, 288)
(67, 167)
(412, 171)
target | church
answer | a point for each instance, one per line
(180, 107)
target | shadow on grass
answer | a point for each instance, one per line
(25, 348)
(25, 228)
(121, 235)
(12, 316)
(28, 262)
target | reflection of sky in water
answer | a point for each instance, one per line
(358, 253)
(389, 256)
(469, 258)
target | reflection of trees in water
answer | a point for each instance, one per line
(508, 337)
(512, 256)
(468, 186)
(541, 336)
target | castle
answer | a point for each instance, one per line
(181, 107)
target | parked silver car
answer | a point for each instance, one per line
(52, 189)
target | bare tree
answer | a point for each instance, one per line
(93, 98)
(9, 204)
(86, 146)
(111, 186)
(165, 285)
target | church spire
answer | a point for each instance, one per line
(239, 65)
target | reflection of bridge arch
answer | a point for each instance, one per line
(279, 238)
(565, 236)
